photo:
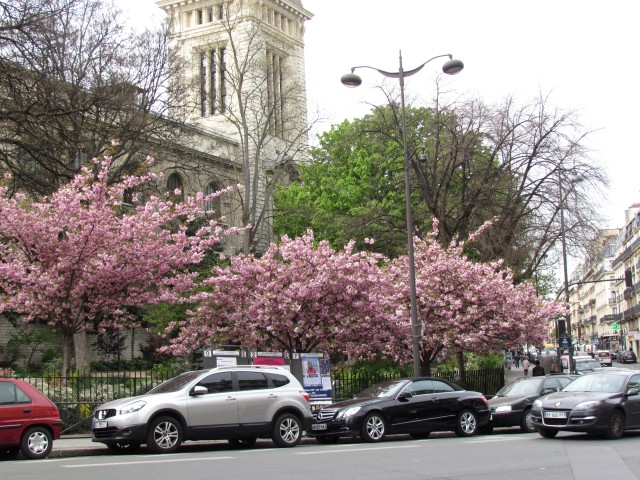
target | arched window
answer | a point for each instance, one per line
(214, 204)
(174, 182)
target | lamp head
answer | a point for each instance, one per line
(351, 80)
(451, 67)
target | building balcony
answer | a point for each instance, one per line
(632, 312)
(612, 317)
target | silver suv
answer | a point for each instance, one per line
(235, 403)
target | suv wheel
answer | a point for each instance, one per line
(164, 435)
(36, 443)
(287, 430)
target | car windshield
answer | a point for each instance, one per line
(588, 365)
(176, 383)
(383, 389)
(597, 382)
(525, 386)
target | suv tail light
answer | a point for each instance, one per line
(305, 395)
(484, 399)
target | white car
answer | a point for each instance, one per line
(604, 357)
(240, 404)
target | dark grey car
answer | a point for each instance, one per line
(604, 402)
(240, 404)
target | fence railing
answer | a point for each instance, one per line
(486, 381)
(78, 395)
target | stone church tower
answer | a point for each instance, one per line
(244, 65)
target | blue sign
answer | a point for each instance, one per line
(564, 342)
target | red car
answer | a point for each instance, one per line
(29, 421)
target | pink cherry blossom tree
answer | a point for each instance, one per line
(78, 257)
(464, 305)
(300, 296)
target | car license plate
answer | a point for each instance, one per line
(100, 425)
(319, 426)
(555, 414)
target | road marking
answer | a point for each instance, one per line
(506, 438)
(350, 450)
(89, 465)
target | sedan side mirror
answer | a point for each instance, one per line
(199, 390)
(633, 391)
(405, 396)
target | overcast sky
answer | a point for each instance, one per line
(584, 53)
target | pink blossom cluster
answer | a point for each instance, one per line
(304, 296)
(301, 295)
(80, 256)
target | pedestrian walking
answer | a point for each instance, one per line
(525, 366)
(516, 359)
(538, 370)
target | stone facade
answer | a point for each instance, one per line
(606, 289)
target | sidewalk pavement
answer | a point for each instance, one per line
(76, 446)
(82, 446)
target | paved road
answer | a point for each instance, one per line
(506, 455)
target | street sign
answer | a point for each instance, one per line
(564, 342)
(615, 326)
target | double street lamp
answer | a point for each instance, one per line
(450, 67)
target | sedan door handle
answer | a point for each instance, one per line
(271, 395)
(231, 399)
(26, 410)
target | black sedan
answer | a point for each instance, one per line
(604, 402)
(416, 406)
(511, 406)
(627, 357)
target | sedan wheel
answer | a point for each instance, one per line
(466, 424)
(526, 424)
(616, 426)
(165, 435)
(287, 431)
(36, 443)
(374, 428)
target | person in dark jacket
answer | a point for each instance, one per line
(538, 370)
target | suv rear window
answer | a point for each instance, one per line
(278, 380)
(252, 381)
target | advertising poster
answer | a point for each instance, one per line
(316, 377)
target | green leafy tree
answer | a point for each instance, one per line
(469, 163)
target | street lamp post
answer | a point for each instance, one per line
(450, 67)
(563, 240)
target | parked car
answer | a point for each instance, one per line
(605, 402)
(416, 406)
(604, 357)
(582, 365)
(511, 406)
(29, 421)
(240, 404)
(627, 356)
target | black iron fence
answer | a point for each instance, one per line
(78, 395)
(487, 381)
